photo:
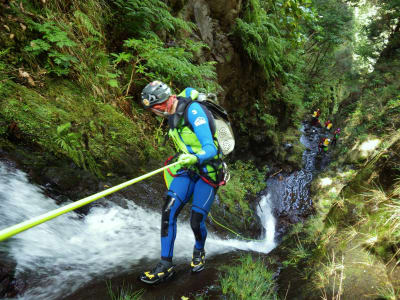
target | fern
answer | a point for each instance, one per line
(71, 144)
(151, 15)
(261, 39)
(52, 33)
(84, 22)
(171, 64)
(52, 42)
(270, 29)
(147, 54)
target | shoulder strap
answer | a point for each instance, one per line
(216, 109)
(183, 104)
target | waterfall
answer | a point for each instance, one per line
(60, 256)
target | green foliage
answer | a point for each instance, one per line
(3, 73)
(266, 28)
(379, 31)
(70, 142)
(148, 57)
(261, 39)
(52, 42)
(145, 17)
(376, 111)
(270, 121)
(246, 180)
(328, 55)
(153, 61)
(65, 119)
(387, 293)
(125, 293)
(84, 23)
(66, 39)
(2, 63)
(249, 279)
(273, 34)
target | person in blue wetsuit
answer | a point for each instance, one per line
(196, 178)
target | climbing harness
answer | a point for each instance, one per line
(170, 174)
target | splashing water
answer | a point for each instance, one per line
(60, 256)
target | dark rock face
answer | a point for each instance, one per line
(9, 286)
(240, 77)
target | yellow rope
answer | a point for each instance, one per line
(15, 229)
(234, 232)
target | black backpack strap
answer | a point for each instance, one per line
(183, 104)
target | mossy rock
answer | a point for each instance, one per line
(359, 274)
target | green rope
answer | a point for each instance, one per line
(234, 232)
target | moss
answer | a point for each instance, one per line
(99, 133)
(237, 197)
(290, 150)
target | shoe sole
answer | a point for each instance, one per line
(198, 270)
(158, 281)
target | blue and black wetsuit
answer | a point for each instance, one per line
(191, 134)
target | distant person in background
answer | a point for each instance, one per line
(335, 136)
(328, 125)
(323, 145)
(314, 118)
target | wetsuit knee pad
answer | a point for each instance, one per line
(171, 202)
(195, 220)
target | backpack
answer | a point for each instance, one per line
(219, 122)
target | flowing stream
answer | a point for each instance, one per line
(60, 256)
(290, 192)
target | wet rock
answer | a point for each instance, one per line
(225, 11)
(290, 191)
(287, 146)
(9, 285)
(204, 22)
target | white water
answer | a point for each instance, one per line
(61, 255)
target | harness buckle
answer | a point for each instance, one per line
(227, 174)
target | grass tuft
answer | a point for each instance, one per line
(249, 279)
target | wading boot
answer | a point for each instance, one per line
(162, 272)
(198, 260)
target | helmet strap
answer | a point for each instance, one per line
(171, 103)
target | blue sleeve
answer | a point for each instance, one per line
(189, 93)
(201, 127)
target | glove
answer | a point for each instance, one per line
(187, 159)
